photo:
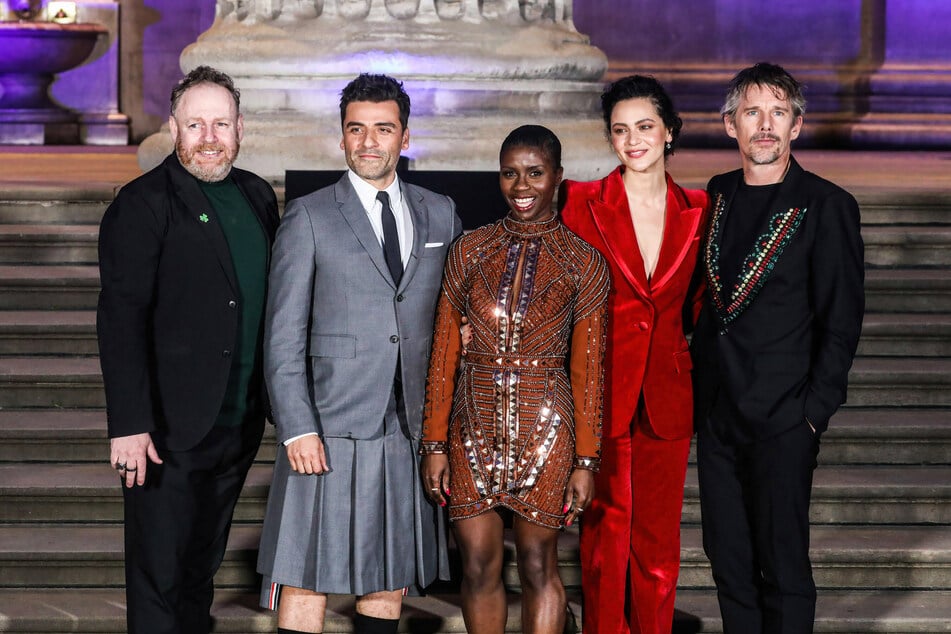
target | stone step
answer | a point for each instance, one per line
(905, 245)
(54, 206)
(58, 287)
(888, 436)
(77, 556)
(907, 291)
(49, 244)
(840, 611)
(53, 435)
(880, 557)
(886, 207)
(72, 382)
(90, 492)
(65, 332)
(91, 556)
(75, 382)
(48, 332)
(906, 334)
(22, 243)
(856, 436)
(237, 612)
(900, 381)
(48, 287)
(858, 557)
(70, 435)
(869, 495)
(52, 612)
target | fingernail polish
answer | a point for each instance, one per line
(565, 510)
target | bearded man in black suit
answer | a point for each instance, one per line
(183, 257)
(783, 262)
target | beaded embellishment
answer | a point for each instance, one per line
(757, 266)
(531, 290)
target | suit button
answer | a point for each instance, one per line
(643, 325)
(226, 353)
(232, 304)
(394, 339)
(399, 297)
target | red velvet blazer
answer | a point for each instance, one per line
(646, 346)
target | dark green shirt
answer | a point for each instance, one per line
(249, 252)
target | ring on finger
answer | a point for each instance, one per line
(131, 469)
(120, 466)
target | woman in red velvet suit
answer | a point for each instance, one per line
(648, 228)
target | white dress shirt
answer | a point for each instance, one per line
(374, 208)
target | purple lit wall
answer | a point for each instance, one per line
(856, 56)
(154, 33)
(723, 31)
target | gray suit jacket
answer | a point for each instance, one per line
(336, 323)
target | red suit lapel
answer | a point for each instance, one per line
(680, 227)
(612, 217)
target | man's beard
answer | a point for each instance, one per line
(765, 156)
(207, 172)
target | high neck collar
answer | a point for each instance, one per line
(531, 228)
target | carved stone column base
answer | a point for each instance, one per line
(474, 71)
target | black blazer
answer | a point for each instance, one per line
(781, 353)
(168, 319)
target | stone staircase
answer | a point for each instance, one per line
(881, 505)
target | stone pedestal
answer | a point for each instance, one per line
(32, 54)
(474, 70)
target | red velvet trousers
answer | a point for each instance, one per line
(630, 534)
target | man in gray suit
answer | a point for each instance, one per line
(355, 275)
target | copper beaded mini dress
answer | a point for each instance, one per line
(523, 407)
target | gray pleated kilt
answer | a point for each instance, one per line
(364, 527)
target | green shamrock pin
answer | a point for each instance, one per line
(203, 217)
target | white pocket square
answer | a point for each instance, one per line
(431, 245)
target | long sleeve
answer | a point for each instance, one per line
(130, 247)
(445, 356)
(588, 339)
(286, 329)
(838, 296)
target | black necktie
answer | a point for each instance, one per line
(391, 240)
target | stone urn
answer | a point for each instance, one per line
(31, 54)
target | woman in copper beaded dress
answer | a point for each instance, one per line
(514, 426)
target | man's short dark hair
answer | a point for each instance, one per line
(642, 86)
(765, 75)
(377, 89)
(536, 137)
(205, 75)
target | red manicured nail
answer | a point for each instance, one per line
(565, 510)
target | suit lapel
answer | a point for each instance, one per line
(203, 214)
(680, 225)
(356, 216)
(612, 217)
(420, 217)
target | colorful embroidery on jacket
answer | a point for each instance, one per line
(757, 266)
